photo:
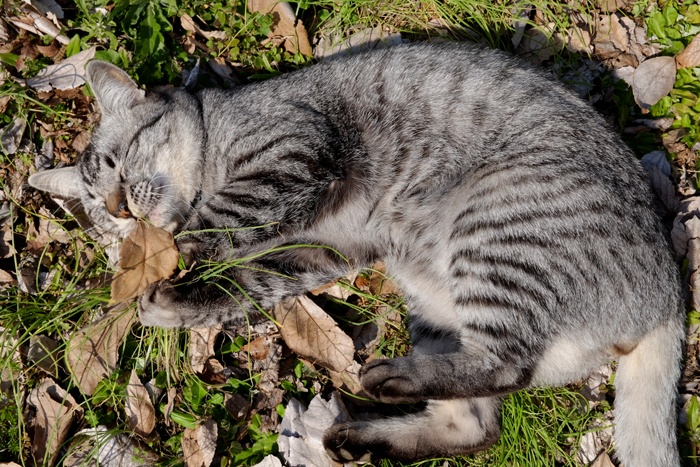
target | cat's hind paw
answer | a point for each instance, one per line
(347, 442)
(392, 380)
(158, 307)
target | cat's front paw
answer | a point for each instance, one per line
(392, 380)
(348, 442)
(158, 306)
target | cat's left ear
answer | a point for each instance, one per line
(114, 90)
(63, 182)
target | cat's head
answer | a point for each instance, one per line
(144, 160)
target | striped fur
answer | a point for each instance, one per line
(519, 225)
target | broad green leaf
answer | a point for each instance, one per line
(9, 58)
(693, 318)
(656, 23)
(73, 46)
(109, 55)
(670, 14)
(693, 414)
(185, 419)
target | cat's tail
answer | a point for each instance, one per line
(645, 399)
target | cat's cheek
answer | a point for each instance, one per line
(157, 306)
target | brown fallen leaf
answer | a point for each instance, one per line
(257, 348)
(199, 445)
(603, 460)
(170, 405)
(653, 80)
(42, 351)
(147, 255)
(690, 57)
(6, 280)
(189, 25)
(81, 142)
(379, 284)
(236, 405)
(100, 447)
(68, 74)
(55, 412)
(311, 333)
(202, 346)
(93, 351)
(284, 24)
(139, 409)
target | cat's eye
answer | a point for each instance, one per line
(117, 205)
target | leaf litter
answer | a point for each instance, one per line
(93, 352)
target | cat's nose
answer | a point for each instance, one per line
(117, 205)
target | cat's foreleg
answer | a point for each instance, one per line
(444, 428)
(474, 372)
(242, 290)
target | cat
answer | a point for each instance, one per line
(518, 224)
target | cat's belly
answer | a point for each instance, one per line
(569, 359)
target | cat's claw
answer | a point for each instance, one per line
(391, 381)
(157, 305)
(346, 442)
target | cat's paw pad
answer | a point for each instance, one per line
(157, 306)
(392, 381)
(346, 442)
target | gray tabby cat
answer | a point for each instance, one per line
(518, 224)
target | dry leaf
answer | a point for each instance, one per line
(6, 248)
(379, 284)
(56, 411)
(236, 405)
(653, 80)
(6, 280)
(348, 380)
(202, 346)
(81, 141)
(99, 446)
(301, 430)
(147, 255)
(311, 333)
(689, 208)
(199, 445)
(139, 409)
(603, 460)
(12, 135)
(42, 351)
(93, 351)
(690, 57)
(68, 74)
(692, 231)
(170, 405)
(268, 461)
(189, 24)
(284, 24)
(257, 348)
(663, 187)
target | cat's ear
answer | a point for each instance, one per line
(63, 182)
(114, 90)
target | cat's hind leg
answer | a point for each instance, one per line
(444, 428)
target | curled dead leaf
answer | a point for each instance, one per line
(139, 408)
(301, 431)
(148, 255)
(93, 350)
(55, 412)
(284, 24)
(199, 445)
(690, 57)
(202, 346)
(311, 333)
(653, 80)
